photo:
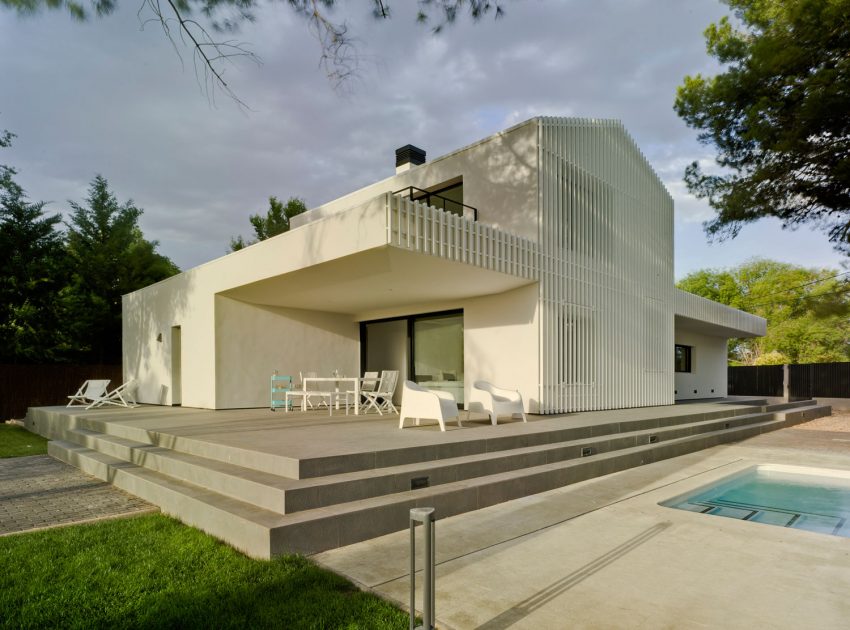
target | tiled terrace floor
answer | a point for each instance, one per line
(316, 434)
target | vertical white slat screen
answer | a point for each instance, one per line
(606, 270)
(417, 227)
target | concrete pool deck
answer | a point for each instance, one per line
(603, 554)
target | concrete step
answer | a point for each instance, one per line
(796, 404)
(284, 495)
(263, 533)
(311, 467)
(243, 525)
(253, 486)
(324, 491)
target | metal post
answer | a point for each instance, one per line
(786, 383)
(426, 517)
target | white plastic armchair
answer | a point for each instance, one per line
(495, 401)
(418, 402)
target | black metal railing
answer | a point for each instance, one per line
(438, 201)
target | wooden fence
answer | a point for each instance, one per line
(805, 380)
(756, 380)
(23, 386)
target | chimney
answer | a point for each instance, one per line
(407, 157)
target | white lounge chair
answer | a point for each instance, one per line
(494, 401)
(382, 398)
(418, 402)
(89, 392)
(121, 396)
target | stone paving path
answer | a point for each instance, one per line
(39, 491)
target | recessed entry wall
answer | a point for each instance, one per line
(252, 341)
(385, 346)
(708, 366)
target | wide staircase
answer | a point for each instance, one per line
(264, 505)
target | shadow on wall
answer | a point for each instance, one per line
(510, 170)
(148, 316)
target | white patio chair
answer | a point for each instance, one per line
(382, 398)
(89, 392)
(300, 391)
(418, 402)
(494, 401)
(326, 397)
(121, 396)
(369, 383)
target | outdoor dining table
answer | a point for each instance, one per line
(337, 379)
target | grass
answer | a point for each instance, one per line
(16, 441)
(153, 572)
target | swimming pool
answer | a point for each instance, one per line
(813, 499)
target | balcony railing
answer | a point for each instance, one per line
(438, 201)
(415, 226)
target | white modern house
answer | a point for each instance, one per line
(540, 259)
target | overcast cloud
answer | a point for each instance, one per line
(106, 97)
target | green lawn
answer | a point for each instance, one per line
(16, 441)
(153, 572)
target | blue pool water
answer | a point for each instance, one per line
(813, 499)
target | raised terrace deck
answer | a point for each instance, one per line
(271, 483)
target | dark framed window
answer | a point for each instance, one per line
(682, 361)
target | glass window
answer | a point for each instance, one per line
(438, 353)
(683, 358)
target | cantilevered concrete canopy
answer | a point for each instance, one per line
(710, 328)
(703, 316)
(385, 277)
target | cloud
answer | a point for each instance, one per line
(106, 97)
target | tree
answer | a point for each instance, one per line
(211, 52)
(275, 222)
(109, 257)
(806, 310)
(778, 117)
(30, 274)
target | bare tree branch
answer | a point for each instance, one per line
(208, 53)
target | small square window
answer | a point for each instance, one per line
(683, 358)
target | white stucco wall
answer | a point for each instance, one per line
(499, 179)
(708, 376)
(501, 343)
(252, 341)
(188, 300)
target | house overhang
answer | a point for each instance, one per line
(704, 316)
(709, 328)
(381, 278)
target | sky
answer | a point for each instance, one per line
(112, 96)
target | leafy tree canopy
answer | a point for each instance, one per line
(806, 310)
(276, 221)
(777, 115)
(31, 273)
(180, 22)
(109, 257)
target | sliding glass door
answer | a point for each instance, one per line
(438, 352)
(426, 349)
